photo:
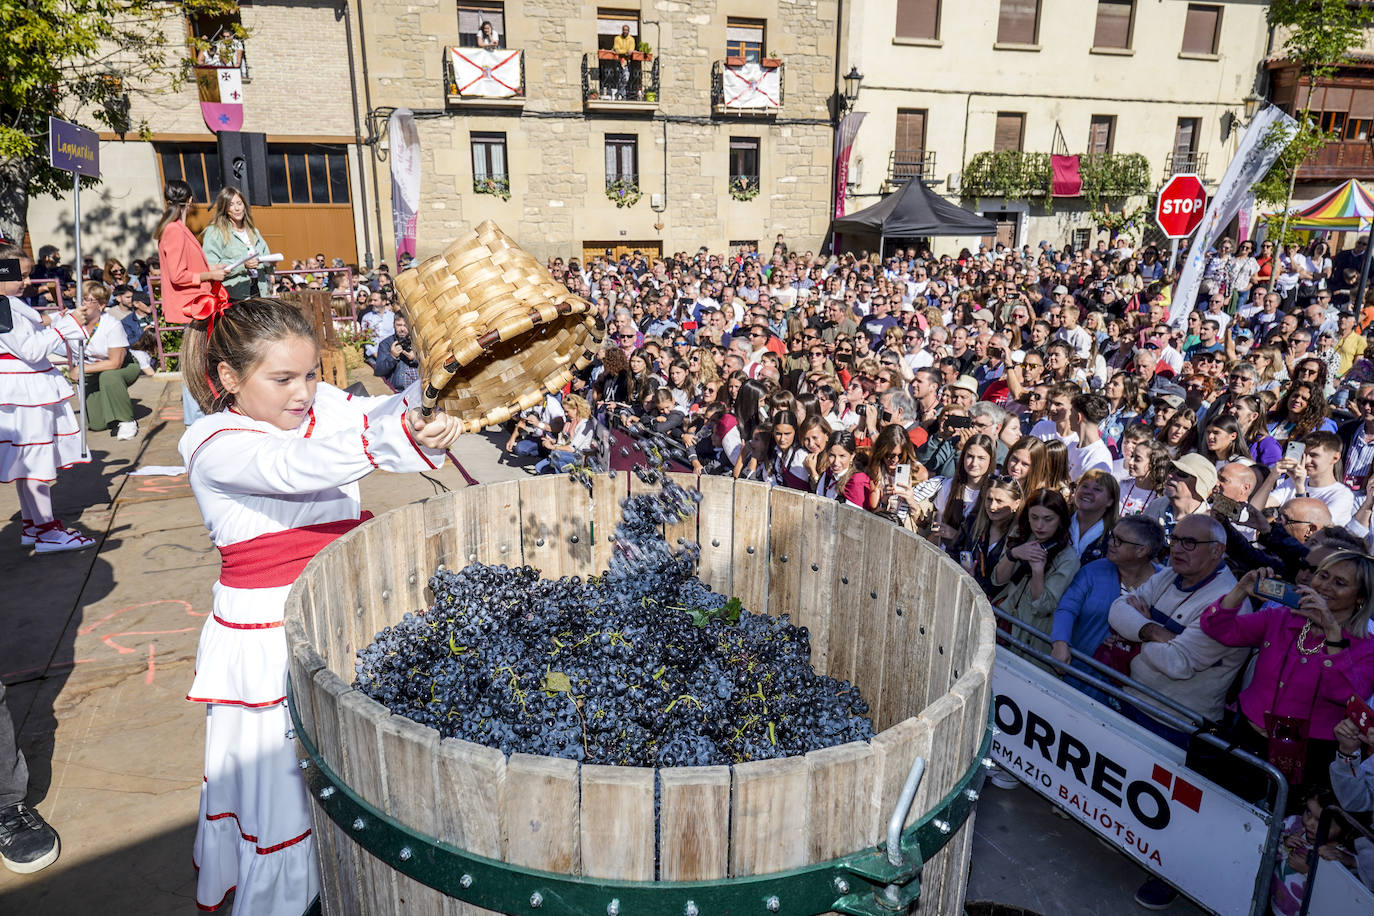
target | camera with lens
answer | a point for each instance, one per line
(405, 343)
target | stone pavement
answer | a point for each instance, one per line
(98, 651)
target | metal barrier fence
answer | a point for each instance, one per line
(1180, 718)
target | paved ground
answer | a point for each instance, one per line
(97, 653)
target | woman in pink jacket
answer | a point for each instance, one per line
(1312, 660)
(186, 276)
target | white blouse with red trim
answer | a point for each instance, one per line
(251, 478)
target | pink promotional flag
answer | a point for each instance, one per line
(1067, 182)
(844, 145)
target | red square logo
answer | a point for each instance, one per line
(1162, 776)
(1187, 794)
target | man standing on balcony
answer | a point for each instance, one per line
(624, 43)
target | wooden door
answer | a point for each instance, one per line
(621, 249)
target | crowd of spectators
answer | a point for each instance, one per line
(1121, 485)
(1130, 489)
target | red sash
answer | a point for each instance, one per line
(276, 559)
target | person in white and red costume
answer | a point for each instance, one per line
(274, 466)
(39, 434)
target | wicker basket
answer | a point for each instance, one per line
(495, 331)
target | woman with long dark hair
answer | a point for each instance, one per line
(1249, 413)
(1301, 411)
(187, 277)
(983, 538)
(1034, 573)
(959, 494)
(843, 479)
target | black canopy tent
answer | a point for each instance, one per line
(913, 211)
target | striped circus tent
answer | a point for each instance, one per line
(1348, 206)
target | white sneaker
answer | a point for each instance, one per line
(53, 538)
(127, 430)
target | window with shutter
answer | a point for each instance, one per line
(471, 15)
(622, 158)
(1011, 126)
(918, 19)
(1113, 24)
(1101, 133)
(910, 141)
(744, 38)
(1018, 21)
(1201, 29)
(1185, 137)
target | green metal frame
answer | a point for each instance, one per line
(863, 883)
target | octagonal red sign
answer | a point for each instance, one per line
(1181, 204)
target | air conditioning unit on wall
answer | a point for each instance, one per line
(952, 182)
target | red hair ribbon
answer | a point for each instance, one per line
(206, 307)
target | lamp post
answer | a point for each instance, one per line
(852, 79)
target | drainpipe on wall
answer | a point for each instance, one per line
(367, 97)
(357, 129)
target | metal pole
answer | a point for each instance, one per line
(81, 344)
(1173, 255)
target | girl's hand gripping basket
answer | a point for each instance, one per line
(495, 331)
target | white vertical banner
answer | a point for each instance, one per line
(405, 179)
(1253, 159)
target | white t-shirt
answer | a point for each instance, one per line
(1096, 455)
(970, 497)
(919, 360)
(108, 335)
(1337, 496)
(1046, 430)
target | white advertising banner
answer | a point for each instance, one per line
(1252, 160)
(752, 86)
(486, 73)
(1129, 785)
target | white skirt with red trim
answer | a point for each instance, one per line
(38, 441)
(241, 659)
(253, 834)
(21, 385)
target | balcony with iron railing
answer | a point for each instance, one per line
(484, 77)
(1019, 175)
(747, 87)
(1190, 163)
(608, 86)
(904, 165)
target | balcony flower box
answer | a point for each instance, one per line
(770, 63)
(641, 55)
(606, 54)
(734, 61)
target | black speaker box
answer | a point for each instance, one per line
(243, 165)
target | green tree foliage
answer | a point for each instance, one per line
(79, 60)
(1318, 36)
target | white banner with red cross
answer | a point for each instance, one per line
(752, 86)
(486, 73)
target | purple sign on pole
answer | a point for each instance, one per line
(73, 149)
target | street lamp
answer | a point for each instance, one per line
(852, 79)
(116, 103)
(1252, 104)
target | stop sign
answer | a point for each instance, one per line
(1181, 203)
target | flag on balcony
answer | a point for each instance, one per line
(405, 179)
(486, 73)
(844, 145)
(752, 86)
(1067, 182)
(221, 97)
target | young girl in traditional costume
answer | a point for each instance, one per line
(274, 466)
(39, 434)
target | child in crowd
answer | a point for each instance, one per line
(1295, 844)
(274, 466)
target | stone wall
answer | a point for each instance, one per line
(555, 149)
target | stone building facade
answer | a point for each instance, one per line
(944, 82)
(295, 90)
(557, 141)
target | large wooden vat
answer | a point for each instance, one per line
(884, 609)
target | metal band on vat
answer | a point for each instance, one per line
(863, 883)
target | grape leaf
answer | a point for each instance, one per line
(556, 682)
